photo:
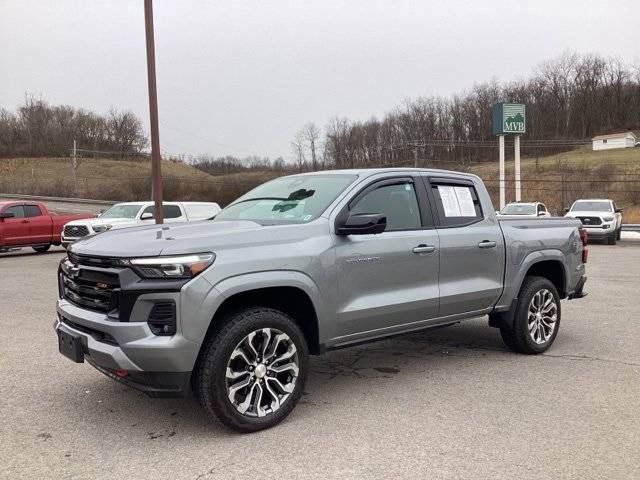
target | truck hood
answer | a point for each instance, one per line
(589, 213)
(187, 237)
(115, 222)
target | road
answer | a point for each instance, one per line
(451, 403)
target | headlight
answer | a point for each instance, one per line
(184, 266)
(607, 219)
(101, 228)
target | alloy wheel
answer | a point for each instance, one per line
(542, 316)
(261, 372)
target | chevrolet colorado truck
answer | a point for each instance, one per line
(30, 224)
(231, 308)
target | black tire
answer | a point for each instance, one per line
(41, 248)
(210, 382)
(516, 335)
(611, 239)
(619, 234)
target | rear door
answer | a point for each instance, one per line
(15, 229)
(172, 213)
(39, 224)
(472, 251)
(388, 279)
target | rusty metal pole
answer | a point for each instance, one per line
(153, 113)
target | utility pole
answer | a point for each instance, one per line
(74, 157)
(156, 186)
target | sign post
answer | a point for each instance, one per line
(501, 148)
(509, 119)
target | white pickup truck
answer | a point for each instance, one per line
(133, 214)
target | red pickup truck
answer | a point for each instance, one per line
(30, 224)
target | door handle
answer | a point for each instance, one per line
(25, 221)
(487, 244)
(424, 249)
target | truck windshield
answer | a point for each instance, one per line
(122, 211)
(294, 199)
(519, 209)
(591, 206)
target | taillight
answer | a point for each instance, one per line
(584, 236)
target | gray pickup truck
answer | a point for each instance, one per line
(230, 308)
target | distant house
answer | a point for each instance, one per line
(614, 140)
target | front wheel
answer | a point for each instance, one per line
(253, 369)
(41, 248)
(611, 239)
(537, 318)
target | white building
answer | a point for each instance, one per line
(614, 140)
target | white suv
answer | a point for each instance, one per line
(600, 217)
(132, 214)
(524, 209)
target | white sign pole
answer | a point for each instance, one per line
(516, 145)
(502, 192)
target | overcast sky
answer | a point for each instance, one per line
(240, 77)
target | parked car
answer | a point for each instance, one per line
(132, 214)
(30, 224)
(601, 217)
(525, 209)
(304, 264)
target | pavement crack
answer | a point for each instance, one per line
(589, 358)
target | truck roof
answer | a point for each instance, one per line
(365, 172)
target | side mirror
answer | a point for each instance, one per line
(146, 216)
(619, 210)
(7, 215)
(362, 224)
(566, 209)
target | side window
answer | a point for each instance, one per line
(17, 210)
(32, 211)
(457, 204)
(170, 211)
(540, 208)
(397, 202)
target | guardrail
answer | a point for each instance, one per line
(631, 227)
(64, 204)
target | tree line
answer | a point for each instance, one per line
(39, 129)
(568, 99)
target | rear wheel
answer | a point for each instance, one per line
(253, 369)
(537, 318)
(41, 248)
(619, 234)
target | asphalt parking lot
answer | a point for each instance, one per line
(451, 403)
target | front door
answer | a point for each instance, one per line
(388, 279)
(40, 227)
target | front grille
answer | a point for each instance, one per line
(74, 231)
(92, 288)
(590, 220)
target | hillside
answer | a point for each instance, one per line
(556, 180)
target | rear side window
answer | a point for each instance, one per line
(201, 210)
(32, 211)
(457, 204)
(397, 202)
(17, 210)
(170, 211)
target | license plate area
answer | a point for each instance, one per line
(70, 346)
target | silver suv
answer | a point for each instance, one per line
(230, 308)
(600, 217)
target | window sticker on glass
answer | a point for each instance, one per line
(449, 201)
(465, 202)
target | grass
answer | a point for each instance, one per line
(556, 180)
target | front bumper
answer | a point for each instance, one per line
(157, 365)
(600, 230)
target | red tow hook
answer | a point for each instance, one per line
(122, 373)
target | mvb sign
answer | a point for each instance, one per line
(508, 118)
